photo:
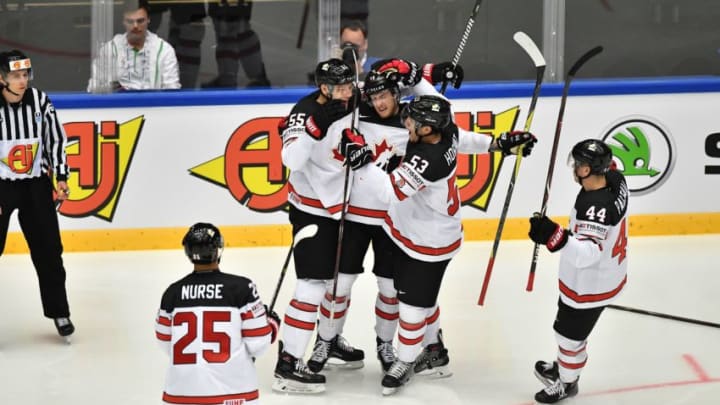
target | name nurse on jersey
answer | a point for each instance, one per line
(201, 291)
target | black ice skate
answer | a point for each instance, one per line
(292, 376)
(433, 360)
(557, 392)
(385, 353)
(64, 327)
(336, 353)
(546, 372)
(397, 376)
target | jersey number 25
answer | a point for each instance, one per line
(208, 335)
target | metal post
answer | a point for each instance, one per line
(554, 39)
(328, 29)
(101, 31)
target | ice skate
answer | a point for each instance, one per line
(65, 328)
(292, 376)
(433, 360)
(556, 392)
(546, 372)
(397, 376)
(385, 353)
(336, 353)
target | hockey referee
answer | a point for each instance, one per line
(32, 149)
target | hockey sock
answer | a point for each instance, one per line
(386, 309)
(411, 331)
(433, 326)
(301, 315)
(572, 357)
(328, 330)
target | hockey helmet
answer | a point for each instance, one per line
(432, 111)
(332, 72)
(11, 61)
(375, 82)
(203, 243)
(592, 152)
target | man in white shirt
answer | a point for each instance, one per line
(137, 59)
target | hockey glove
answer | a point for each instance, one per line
(409, 73)
(444, 72)
(509, 142)
(274, 321)
(333, 110)
(546, 232)
(357, 153)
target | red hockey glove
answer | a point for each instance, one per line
(274, 321)
(509, 142)
(409, 72)
(546, 232)
(357, 153)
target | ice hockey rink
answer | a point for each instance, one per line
(633, 359)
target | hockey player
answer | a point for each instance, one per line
(213, 325)
(315, 197)
(380, 123)
(593, 263)
(32, 149)
(423, 218)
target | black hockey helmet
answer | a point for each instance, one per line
(203, 243)
(14, 60)
(593, 152)
(332, 72)
(432, 111)
(375, 82)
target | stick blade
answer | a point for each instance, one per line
(583, 59)
(529, 46)
(307, 231)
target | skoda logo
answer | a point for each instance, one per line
(643, 150)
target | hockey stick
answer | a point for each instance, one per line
(463, 42)
(665, 316)
(527, 44)
(346, 197)
(307, 231)
(558, 127)
(303, 23)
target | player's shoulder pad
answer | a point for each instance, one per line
(433, 161)
(307, 115)
(606, 206)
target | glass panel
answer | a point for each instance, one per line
(644, 38)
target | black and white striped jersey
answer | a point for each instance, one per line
(32, 139)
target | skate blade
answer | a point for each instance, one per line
(292, 387)
(67, 339)
(337, 364)
(389, 390)
(436, 372)
(545, 381)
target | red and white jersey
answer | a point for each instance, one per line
(423, 217)
(212, 325)
(388, 138)
(310, 151)
(593, 263)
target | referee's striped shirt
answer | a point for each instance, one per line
(33, 119)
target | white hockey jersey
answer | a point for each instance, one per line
(593, 263)
(212, 325)
(423, 217)
(317, 174)
(388, 139)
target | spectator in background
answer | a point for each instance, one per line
(354, 34)
(185, 34)
(236, 43)
(140, 59)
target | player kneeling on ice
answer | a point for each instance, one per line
(213, 325)
(423, 220)
(593, 265)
